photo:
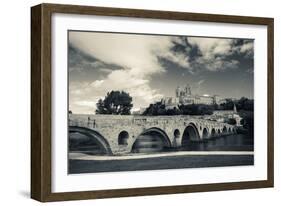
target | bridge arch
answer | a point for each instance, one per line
(190, 134)
(123, 138)
(213, 132)
(205, 133)
(229, 130)
(91, 136)
(219, 131)
(177, 133)
(224, 130)
(151, 140)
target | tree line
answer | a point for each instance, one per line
(243, 103)
(120, 103)
(158, 108)
(192, 109)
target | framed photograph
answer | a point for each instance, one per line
(132, 102)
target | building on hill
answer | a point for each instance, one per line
(185, 96)
(225, 115)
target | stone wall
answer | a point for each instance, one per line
(110, 126)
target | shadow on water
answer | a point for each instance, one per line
(153, 143)
(236, 142)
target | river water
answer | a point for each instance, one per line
(236, 142)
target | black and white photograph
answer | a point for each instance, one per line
(152, 102)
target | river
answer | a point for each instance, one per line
(236, 142)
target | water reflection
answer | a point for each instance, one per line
(154, 143)
(236, 142)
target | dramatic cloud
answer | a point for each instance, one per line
(178, 58)
(125, 80)
(211, 47)
(136, 55)
(85, 96)
(101, 62)
(247, 48)
(214, 53)
(137, 52)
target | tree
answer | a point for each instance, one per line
(228, 105)
(100, 107)
(115, 102)
(173, 111)
(248, 122)
(192, 109)
(242, 104)
(196, 109)
(155, 109)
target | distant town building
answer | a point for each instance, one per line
(225, 115)
(170, 102)
(185, 96)
(221, 101)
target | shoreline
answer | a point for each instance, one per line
(82, 156)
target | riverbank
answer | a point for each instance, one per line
(77, 166)
(82, 156)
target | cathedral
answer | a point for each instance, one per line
(185, 96)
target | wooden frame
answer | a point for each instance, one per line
(41, 102)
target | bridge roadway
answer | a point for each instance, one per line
(121, 134)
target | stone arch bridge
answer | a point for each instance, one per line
(120, 134)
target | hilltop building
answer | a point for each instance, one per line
(225, 115)
(185, 96)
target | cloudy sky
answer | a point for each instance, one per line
(150, 67)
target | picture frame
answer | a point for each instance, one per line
(42, 86)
